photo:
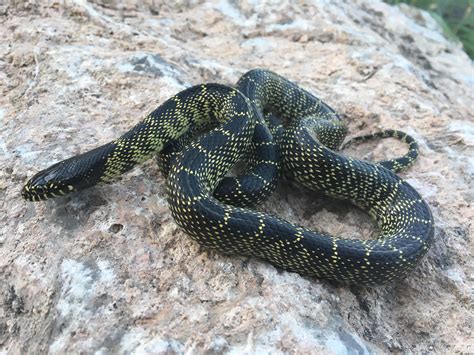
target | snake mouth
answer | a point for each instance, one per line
(31, 194)
(40, 193)
(39, 188)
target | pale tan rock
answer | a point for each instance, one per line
(107, 270)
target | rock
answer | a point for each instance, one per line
(107, 270)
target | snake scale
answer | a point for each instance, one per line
(268, 122)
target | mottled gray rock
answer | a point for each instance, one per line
(107, 270)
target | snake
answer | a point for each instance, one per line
(271, 124)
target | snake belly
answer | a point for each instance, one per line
(307, 147)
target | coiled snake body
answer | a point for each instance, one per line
(208, 206)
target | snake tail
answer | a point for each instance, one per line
(396, 164)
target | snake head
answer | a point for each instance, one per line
(46, 184)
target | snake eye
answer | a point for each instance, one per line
(39, 190)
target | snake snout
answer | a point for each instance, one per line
(46, 184)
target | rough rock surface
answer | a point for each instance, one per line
(107, 269)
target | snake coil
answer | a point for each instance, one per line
(213, 209)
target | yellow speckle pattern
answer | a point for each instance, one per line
(307, 140)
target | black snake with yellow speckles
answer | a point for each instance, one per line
(200, 195)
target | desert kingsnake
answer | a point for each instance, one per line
(204, 204)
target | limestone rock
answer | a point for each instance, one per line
(107, 270)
